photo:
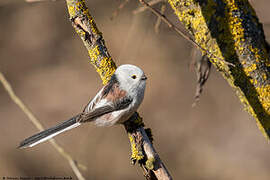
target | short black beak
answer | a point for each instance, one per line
(143, 77)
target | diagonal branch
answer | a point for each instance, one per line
(143, 8)
(162, 11)
(230, 30)
(35, 121)
(142, 148)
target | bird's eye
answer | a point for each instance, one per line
(134, 76)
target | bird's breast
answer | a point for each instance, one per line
(115, 117)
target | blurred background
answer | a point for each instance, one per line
(48, 67)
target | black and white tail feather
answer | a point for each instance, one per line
(50, 133)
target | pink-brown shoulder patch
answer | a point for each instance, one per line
(115, 93)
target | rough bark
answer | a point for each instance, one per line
(230, 30)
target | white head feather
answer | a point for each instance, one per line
(130, 77)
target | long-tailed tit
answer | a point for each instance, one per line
(114, 104)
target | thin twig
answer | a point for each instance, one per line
(121, 6)
(74, 166)
(162, 11)
(141, 9)
(38, 125)
(179, 31)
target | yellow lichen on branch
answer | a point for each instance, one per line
(136, 155)
(141, 145)
(230, 30)
(86, 28)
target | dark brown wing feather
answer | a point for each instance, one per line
(115, 97)
(97, 112)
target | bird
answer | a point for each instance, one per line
(114, 104)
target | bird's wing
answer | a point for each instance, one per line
(111, 90)
(110, 98)
(106, 108)
(91, 105)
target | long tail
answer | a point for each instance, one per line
(49, 133)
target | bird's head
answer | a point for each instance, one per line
(131, 78)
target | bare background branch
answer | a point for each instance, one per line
(38, 125)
